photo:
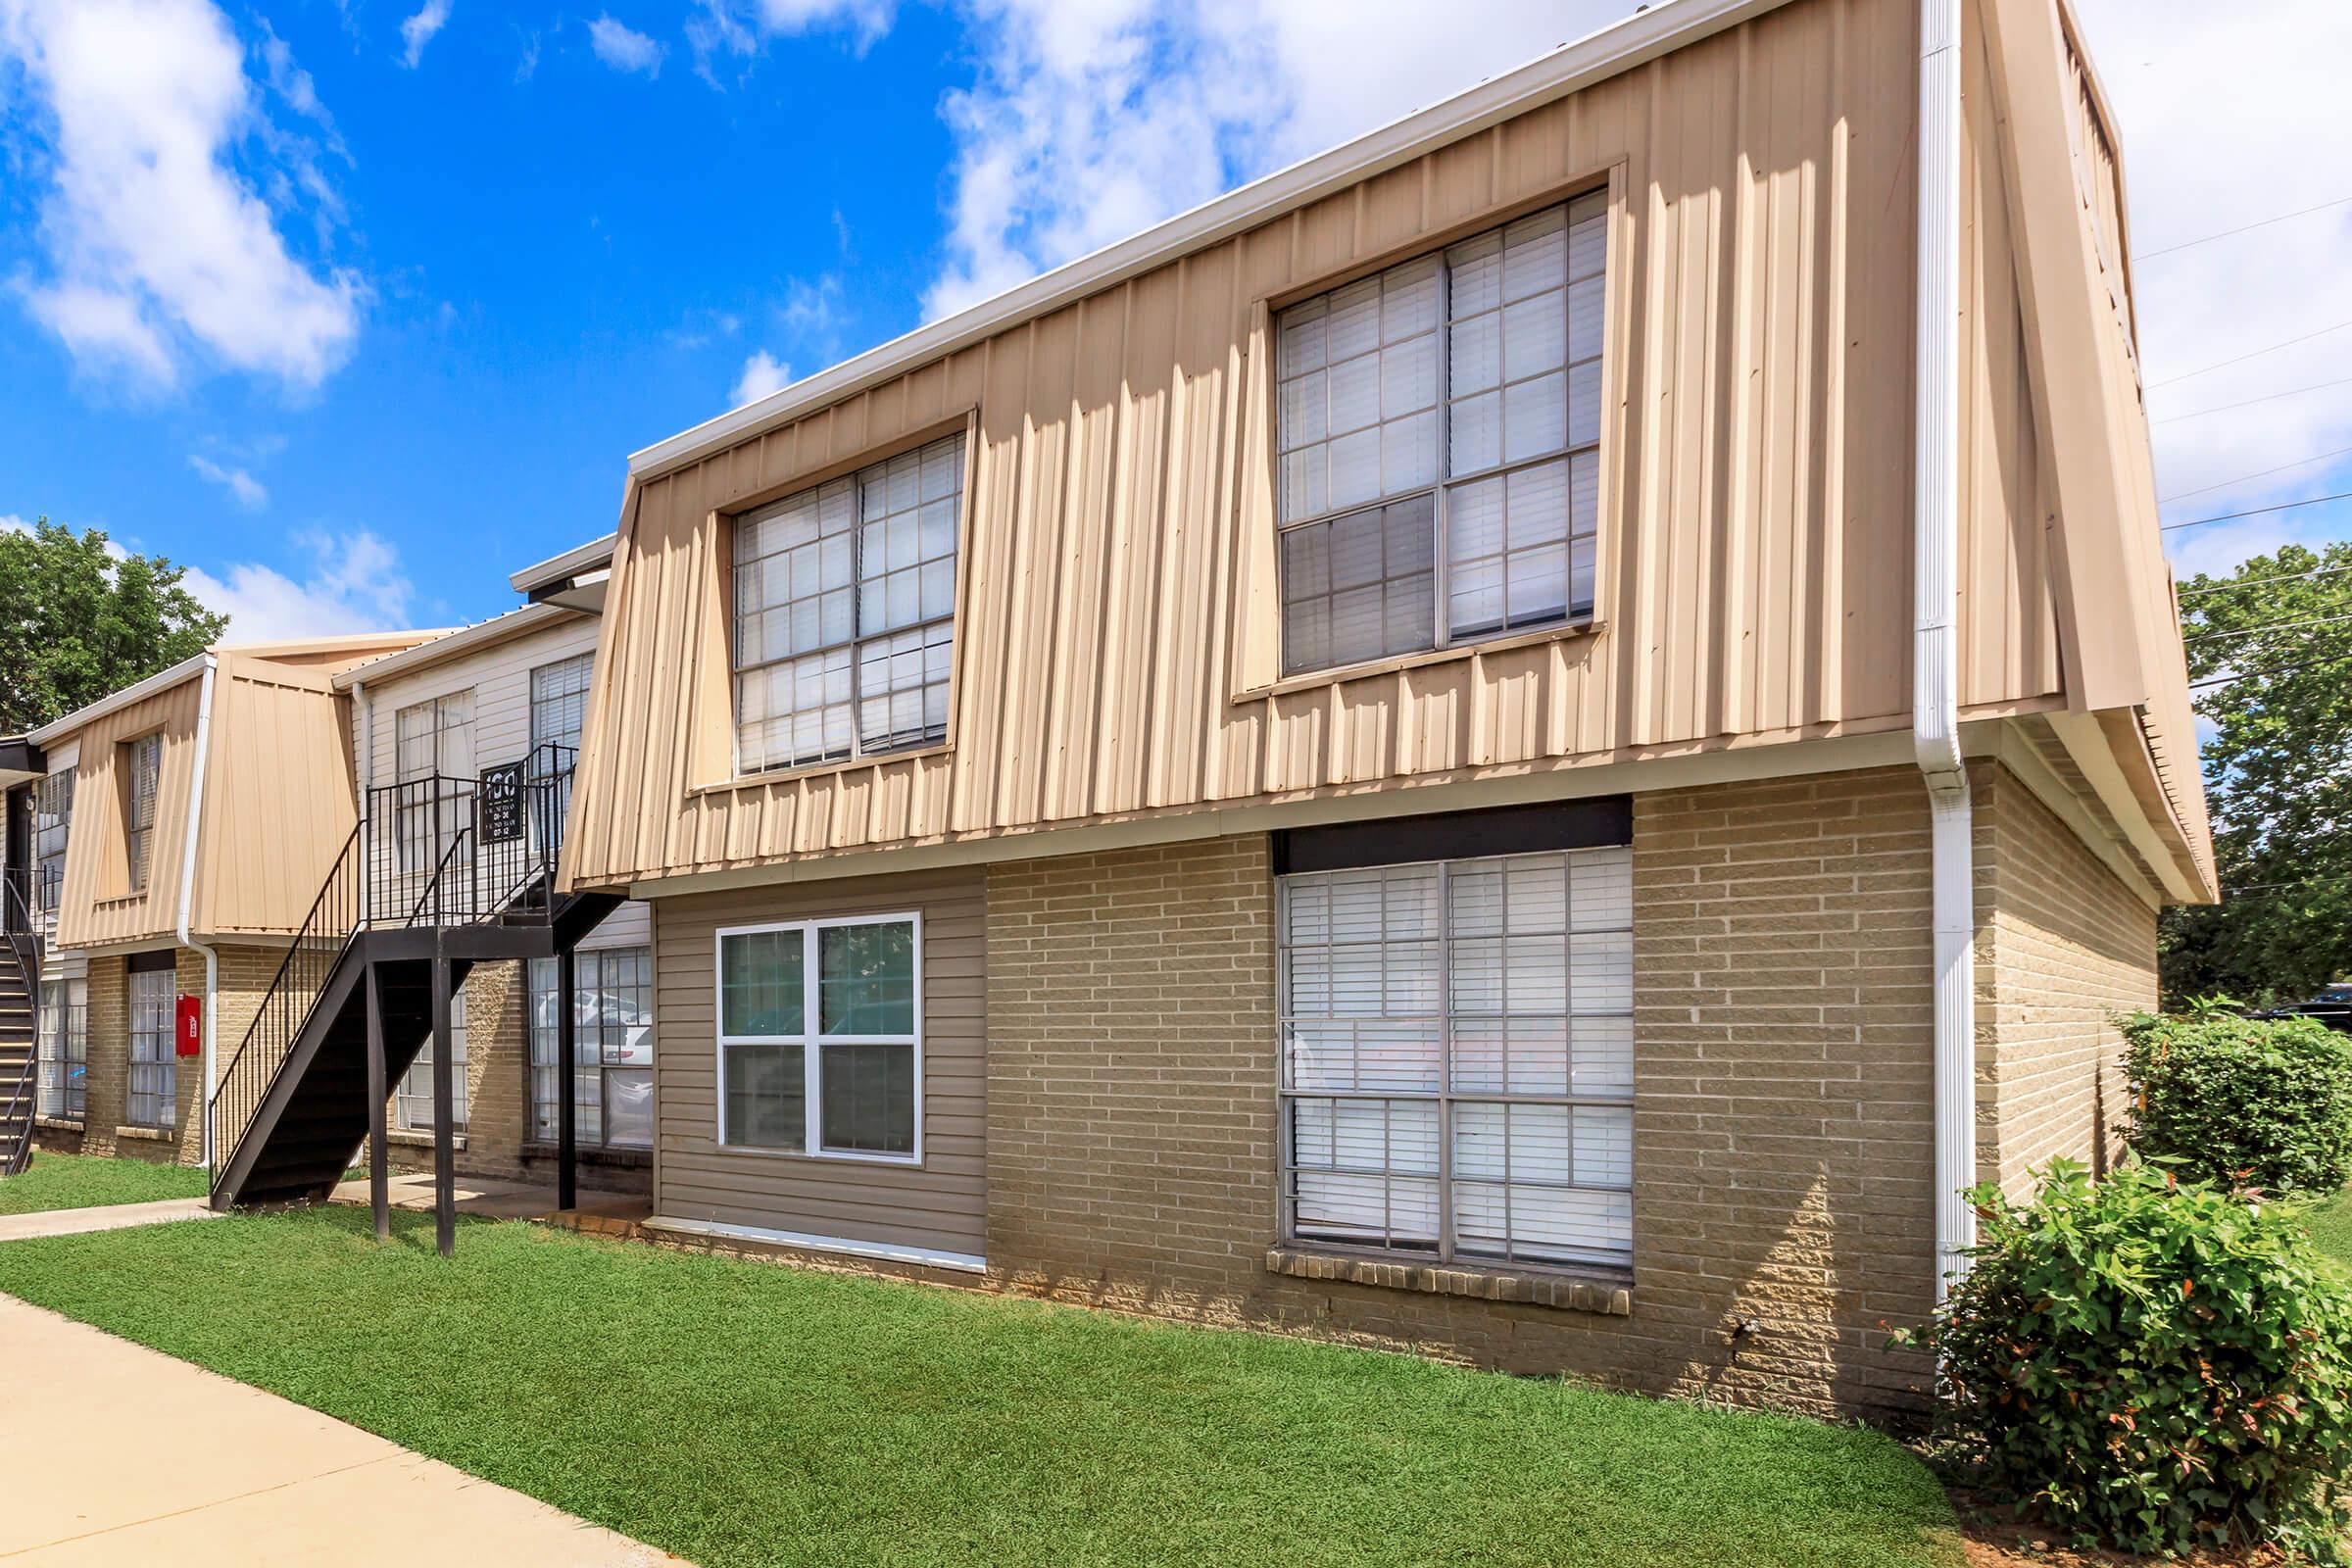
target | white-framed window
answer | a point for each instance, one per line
(1438, 437)
(412, 1097)
(64, 1049)
(613, 1045)
(559, 703)
(144, 760)
(845, 613)
(52, 820)
(1458, 1057)
(431, 741)
(820, 1038)
(152, 1100)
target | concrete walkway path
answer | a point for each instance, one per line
(114, 1454)
(112, 1217)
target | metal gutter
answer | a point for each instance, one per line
(187, 895)
(1611, 51)
(449, 645)
(1935, 659)
(567, 566)
(163, 680)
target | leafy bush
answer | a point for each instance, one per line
(2242, 1102)
(2158, 1366)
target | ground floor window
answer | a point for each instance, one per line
(1458, 1057)
(412, 1099)
(64, 1049)
(819, 1050)
(154, 1098)
(612, 1049)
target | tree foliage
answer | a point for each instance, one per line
(2278, 777)
(78, 620)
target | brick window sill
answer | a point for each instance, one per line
(1570, 1293)
(59, 1124)
(152, 1134)
(411, 1138)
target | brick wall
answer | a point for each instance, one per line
(1782, 1123)
(2062, 946)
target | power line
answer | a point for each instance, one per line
(2242, 228)
(2268, 397)
(2317, 456)
(2262, 674)
(2267, 625)
(2223, 365)
(2251, 582)
(2256, 512)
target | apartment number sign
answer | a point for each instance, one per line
(502, 803)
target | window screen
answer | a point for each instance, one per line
(1458, 1057)
(845, 613)
(1439, 430)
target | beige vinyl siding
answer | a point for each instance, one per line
(499, 678)
(1115, 637)
(939, 1204)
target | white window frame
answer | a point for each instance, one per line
(48, 892)
(424, 829)
(62, 1044)
(811, 1040)
(1440, 489)
(163, 1045)
(413, 1091)
(143, 760)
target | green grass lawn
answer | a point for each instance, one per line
(2332, 1227)
(741, 1413)
(93, 1181)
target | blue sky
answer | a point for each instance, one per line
(357, 307)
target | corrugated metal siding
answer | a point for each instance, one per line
(97, 906)
(1755, 571)
(940, 1205)
(279, 795)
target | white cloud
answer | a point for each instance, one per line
(355, 583)
(741, 26)
(623, 48)
(1090, 122)
(419, 31)
(762, 374)
(2228, 115)
(156, 245)
(251, 494)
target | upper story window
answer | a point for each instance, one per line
(52, 817)
(1438, 429)
(143, 760)
(431, 741)
(559, 709)
(845, 613)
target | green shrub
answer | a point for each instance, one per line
(2158, 1366)
(2242, 1102)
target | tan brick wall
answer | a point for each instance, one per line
(2062, 946)
(1782, 1124)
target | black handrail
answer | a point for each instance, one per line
(432, 852)
(19, 1096)
(309, 964)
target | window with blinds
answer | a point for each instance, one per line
(433, 768)
(412, 1096)
(52, 819)
(845, 613)
(559, 709)
(143, 760)
(151, 1096)
(1438, 429)
(1458, 1057)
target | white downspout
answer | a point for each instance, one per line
(187, 895)
(1935, 663)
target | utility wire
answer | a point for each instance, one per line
(2317, 456)
(2242, 228)
(2223, 365)
(2260, 674)
(2251, 582)
(2267, 625)
(2268, 397)
(2256, 512)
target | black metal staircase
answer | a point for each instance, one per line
(20, 1026)
(439, 871)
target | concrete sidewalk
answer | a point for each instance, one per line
(114, 1454)
(111, 1217)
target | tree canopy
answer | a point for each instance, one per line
(2274, 640)
(79, 619)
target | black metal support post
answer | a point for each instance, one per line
(567, 1175)
(378, 1156)
(445, 1152)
